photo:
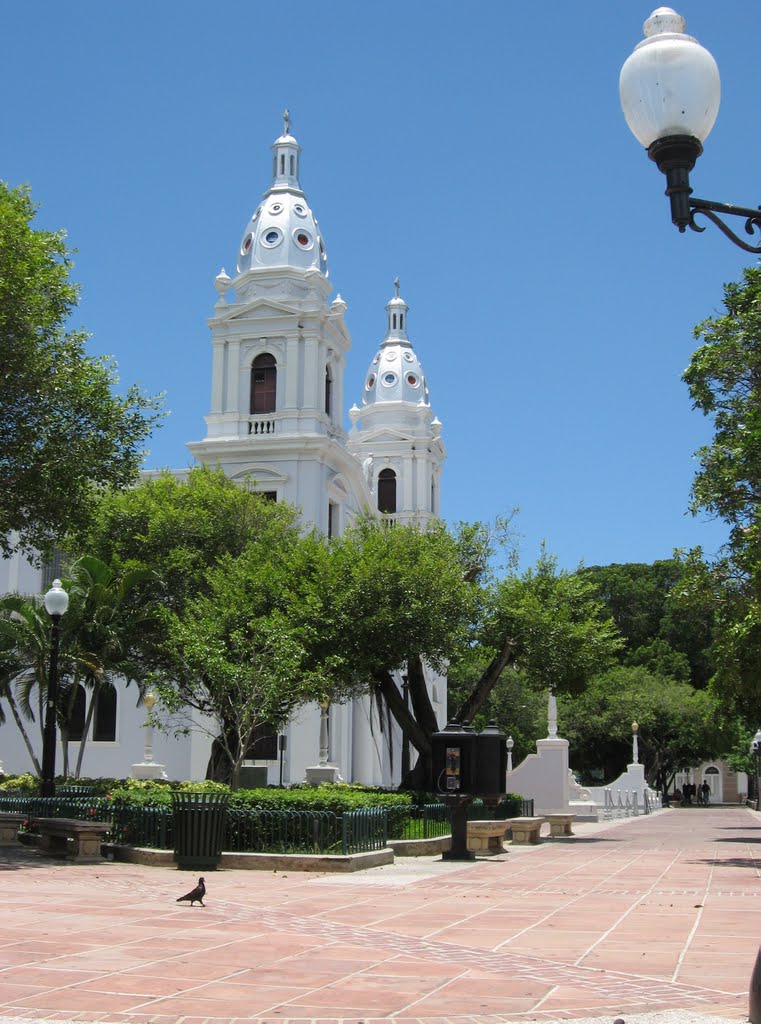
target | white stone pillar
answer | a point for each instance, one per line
(552, 716)
(290, 370)
(218, 376)
(148, 769)
(233, 377)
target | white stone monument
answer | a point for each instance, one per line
(147, 768)
(324, 771)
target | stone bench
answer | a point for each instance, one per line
(525, 830)
(560, 824)
(78, 840)
(9, 825)
(486, 836)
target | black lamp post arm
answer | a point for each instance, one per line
(709, 209)
(675, 156)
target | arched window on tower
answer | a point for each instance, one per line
(328, 391)
(263, 383)
(387, 491)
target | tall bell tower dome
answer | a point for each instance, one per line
(394, 433)
(283, 231)
(279, 349)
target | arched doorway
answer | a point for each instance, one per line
(712, 776)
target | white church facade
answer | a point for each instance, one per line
(279, 346)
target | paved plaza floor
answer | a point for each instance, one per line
(659, 913)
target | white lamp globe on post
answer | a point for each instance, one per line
(56, 603)
(670, 92)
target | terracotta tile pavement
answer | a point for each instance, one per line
(656, 913)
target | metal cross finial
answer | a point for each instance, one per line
(396, 287)
(286, 122)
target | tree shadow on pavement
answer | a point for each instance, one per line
(731, 862)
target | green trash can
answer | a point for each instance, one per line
(199, 821)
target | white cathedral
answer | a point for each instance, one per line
(277, 397)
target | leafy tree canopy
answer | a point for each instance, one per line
(679, 727)
(724, 380)
(659, 632)
(62, 428)
(180, 528)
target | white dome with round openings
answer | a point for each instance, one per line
(395, 374)
(283, 231)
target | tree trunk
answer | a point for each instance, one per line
(22, 730)
(219, 768)
(406, 721)
(486, 684)
(64, 733)
(421, 702)
(86, 732)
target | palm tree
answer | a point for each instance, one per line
(108, 619)
(16, 617)
(100, 640)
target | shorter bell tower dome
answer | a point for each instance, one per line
(395, 374)
(394, 434)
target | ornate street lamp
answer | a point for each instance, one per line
(670, 91)
(56, 603)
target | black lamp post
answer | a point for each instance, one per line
(670, 92)
(56, 603)
(755, 750)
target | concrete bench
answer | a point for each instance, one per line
(525, 830)
(560, 824)
(9, 825)
(78, 840)
(486, 836)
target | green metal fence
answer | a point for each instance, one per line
(259, 831)
(134, 825)
(364, 830)
(424, 822)
(89, 808)
(251, 830)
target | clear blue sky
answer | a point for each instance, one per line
(476, 150)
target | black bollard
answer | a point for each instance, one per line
(754, 1011)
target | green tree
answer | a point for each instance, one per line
(679, 726)
(180, 528)
(414, 597)
(246, 653)
(219, 549)
(724, 381)
(658, 632)
(62, 429)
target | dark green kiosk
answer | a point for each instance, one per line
(467, 764)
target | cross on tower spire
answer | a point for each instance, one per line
(286, 122)
(396, 287)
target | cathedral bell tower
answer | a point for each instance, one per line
(278, 356)
(394, 434)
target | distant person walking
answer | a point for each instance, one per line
(705, 790)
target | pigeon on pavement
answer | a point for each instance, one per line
(196, 894)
